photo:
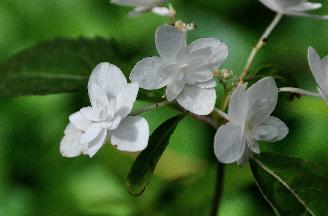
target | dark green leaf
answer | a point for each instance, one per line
(283, 78)
(61, 65)
(144, 166)
(153, 95)
(292, 186)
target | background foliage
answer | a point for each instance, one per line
(36, 180)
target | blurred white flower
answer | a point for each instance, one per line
(250, 121)
(293, 7)
(187, 71)
(112, 99)
(143, 6)
(319, 70)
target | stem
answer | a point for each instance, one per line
(300, 91)
(218, 189)
(205, 119)
(221, 113)
(259, 45)
(151, 107)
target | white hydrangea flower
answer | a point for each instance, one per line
(143, 6)
(319, 70)
(187, 71)
(293, 7)
(250, 121)
(112, 99)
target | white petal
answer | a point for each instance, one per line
(245, 157)
(96, 143)
(318, 69)
(94, 138)
(132, 135)
(98, 96)
(272, 4)
(100, 112)
(169, 40)
(305, 6)
(323, 94)
(115, 123)
(145, 72)
(208, 84)
(202, 53)
(271, 130)
(162, 11)
(92, 113)
(127, 2)
(182, 56)
(198, 76)
(197, 100)
(169, 71)
(126, 98)
(135, 13)
(252, 145)
(90, 134)
(219, 51)
(313, 16)
(108, 77)
(79, 121)
(110, 109)
(265, 132)
(174, 89)
(228, 144)
(238, 107)
(69, 145)
(324, 63)
(294, 8)
(136, 2)
(263, 97)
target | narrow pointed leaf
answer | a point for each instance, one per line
(291, 186)
(145, 164)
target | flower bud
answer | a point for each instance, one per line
(226, 74)
(184, 27)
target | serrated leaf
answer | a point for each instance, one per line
(57, 66)
(291, 186)
(144, 166)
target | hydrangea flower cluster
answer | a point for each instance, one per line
(319, 70)
(112, 99)
(143, 6)
(186, 71)
(293, 7)
(250, 121)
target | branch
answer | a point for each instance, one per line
(218, 189)
(221, 113)
(151, 107)
(205, 119)
(259, 45)
(300, 92)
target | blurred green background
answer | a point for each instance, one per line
(36, 180)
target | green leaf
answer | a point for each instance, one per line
(61, 65)
(282, 77)
(144, 166)
(292, 186)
